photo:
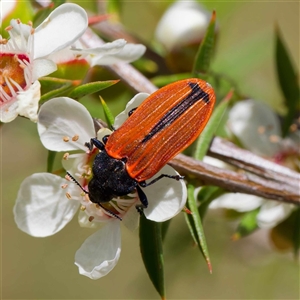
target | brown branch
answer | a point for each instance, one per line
(276, 182)
(243, 159)
(235, 182)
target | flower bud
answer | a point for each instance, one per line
(181, 30)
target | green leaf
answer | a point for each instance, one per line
(152, 252)
(90, 88)
(206, 195)
(164, 228)
(56, 93)
(203, 57)
(42, 14)
(288, 80)
(50, 160)
(108, 114)
(58, 2)
(54, 87)
(195, 225)
(203, 142)
(247, 225)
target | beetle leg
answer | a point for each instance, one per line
(176, 177)
(94, 142)
(140, 208)
(143, 199)
(131, 111)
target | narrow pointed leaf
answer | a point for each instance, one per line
(108, 114)
(195, 225)
(288, 80)
(91, 88)
(203, 142)
(203, 57)
(164, 228)
(247, 225)
(152, 252)
(54, 87)
(41, 15)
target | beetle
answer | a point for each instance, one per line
(166, 123)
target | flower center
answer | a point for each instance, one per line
(13, 77)
(117, 205)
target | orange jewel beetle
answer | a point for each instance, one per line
(166, 123)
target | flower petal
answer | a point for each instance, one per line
(166, 197)
(193, 18)
(216, 162)
(105, 49)
(28, 101)
(8, 111)
(7, 7)
(64, 117)
(42, 208)
(19, 31)
(133, 103)
(61, 29)
(131, 218)
(84, 221)
(64, 55)
(272, 213)
(42, 67)
(237, 201)
(75, 163)
(129, 53)
(254, 123)
(100, 252)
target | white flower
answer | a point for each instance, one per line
(111, 53)
(256, 126)
(258, 129)
(24, 58)
(184, 23)
(42, 208)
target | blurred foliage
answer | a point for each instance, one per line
(288, 80)
(206, 48)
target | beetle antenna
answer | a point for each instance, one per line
(110, 212)
(86, 192)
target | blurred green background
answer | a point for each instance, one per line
(35, 268)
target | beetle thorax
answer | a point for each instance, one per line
(110, 179)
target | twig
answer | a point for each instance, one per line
(235, 182)
(243, 159)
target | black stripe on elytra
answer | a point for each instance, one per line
(196, 94)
